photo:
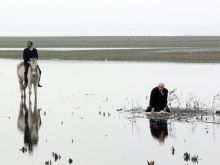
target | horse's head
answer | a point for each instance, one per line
(33, 66)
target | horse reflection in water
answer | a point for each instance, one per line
(159, 129)
(29, 122)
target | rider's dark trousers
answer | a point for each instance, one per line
(26, 66)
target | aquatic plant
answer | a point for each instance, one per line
(70, 161)
(23, 149)
(216, 102)
(173, 98)
(186, 156)
(194, 159)
(192, 102)
(151, 162)
(56, 156)
(48, 162)
(173, 150)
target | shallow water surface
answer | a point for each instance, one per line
(79, 117)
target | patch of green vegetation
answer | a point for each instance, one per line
(113, 41)
(119, 55)
(150, 162)
(194, 159)
(186, 157)
(210, 54)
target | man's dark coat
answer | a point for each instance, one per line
(158, 99)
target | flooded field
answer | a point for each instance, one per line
(80, 115)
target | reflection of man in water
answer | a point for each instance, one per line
(159, 129)
(158, 99)
(29, 122)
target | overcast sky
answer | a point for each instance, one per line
(109, 17)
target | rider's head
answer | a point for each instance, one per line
(29, 44)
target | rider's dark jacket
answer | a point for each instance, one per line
(27, 54)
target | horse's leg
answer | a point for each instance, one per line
(29, 86)
(35, 91)
(21, 89)
(24, 90)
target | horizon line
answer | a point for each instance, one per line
(109, 35)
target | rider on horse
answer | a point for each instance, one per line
(28, 53)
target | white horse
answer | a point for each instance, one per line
(33, 76)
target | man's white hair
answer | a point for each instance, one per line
(161, 84)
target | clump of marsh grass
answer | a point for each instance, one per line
(186, 156)
(216, 102)
(173, 150)
(194, 159)
(150, 162)
(173, 98)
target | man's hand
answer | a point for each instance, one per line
(29, 62)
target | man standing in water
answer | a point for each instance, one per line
(158, 99)
(28, 53)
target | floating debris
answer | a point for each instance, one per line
(194, 159)
(23, 149)
(48, 162)
(56, 156)
(186, 156)
(70, 161)
(44, 113)
(150, 163)
(119, 109)
(62, 122)
(173, 150)
(104, 114)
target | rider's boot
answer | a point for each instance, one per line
(39, 82)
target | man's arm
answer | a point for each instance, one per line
(152, 99)
(166, 98)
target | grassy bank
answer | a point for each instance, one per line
(193, 46)
(14, 42)
(121, 55)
